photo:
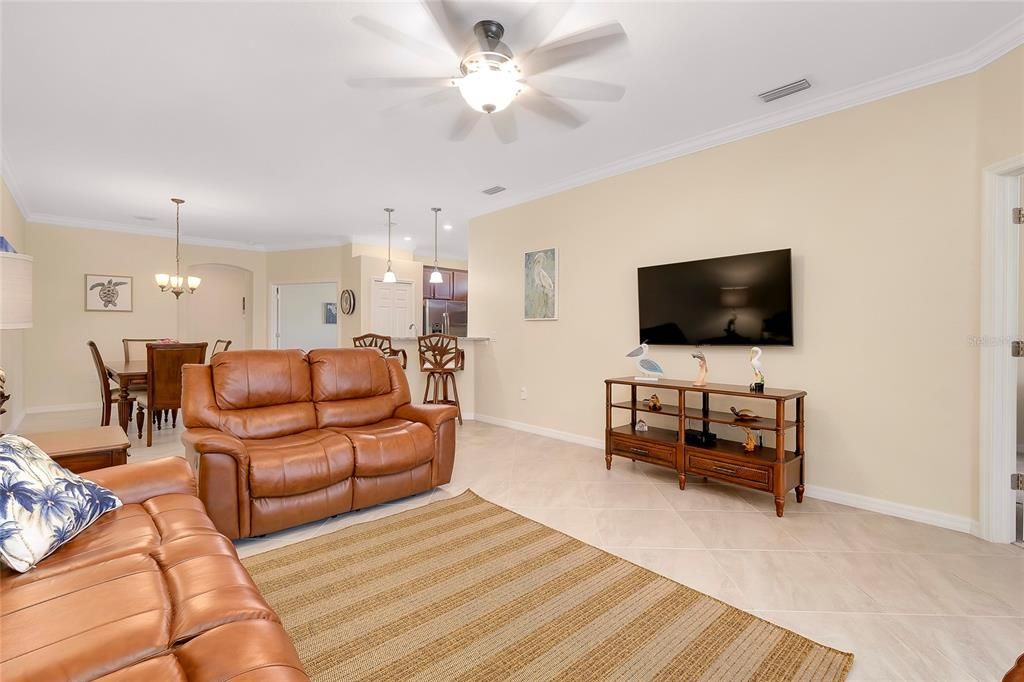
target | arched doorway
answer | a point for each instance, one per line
(221, 308)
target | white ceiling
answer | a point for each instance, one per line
(109, 109)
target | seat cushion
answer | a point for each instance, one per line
(389, 446)
(300, 463)
(131, 529)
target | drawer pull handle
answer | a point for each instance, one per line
(640, 451)
(725, 470)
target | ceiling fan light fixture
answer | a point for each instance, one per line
(489, 87)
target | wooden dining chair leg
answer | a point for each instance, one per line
(174, 419)
(455, 392)
(437, 378)
(426, 387)
(149, 428)
(140, 414)
(444, 387)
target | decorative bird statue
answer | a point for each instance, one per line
(702, 369)
(755, 364)
(650, 369)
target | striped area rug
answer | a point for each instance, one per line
(463, 589)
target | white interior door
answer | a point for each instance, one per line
(300, 320)
(391, 308)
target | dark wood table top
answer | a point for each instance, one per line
(133, 369)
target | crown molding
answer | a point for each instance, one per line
(65, 221)
(999, 43)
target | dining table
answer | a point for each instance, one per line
(126, 375)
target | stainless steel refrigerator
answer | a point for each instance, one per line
(445, 317)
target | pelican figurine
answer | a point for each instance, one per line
(702, 369)
(755, 364)
(650, 369)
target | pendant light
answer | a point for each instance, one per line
(389, 276)
(435, 276)
(173, 283)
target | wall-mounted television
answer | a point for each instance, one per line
(744, 300)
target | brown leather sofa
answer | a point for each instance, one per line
(151, 591)
(281, 438)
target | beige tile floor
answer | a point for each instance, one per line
(913, 602)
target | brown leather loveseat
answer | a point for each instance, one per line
(150, 591)
(280, 437)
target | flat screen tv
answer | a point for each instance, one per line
(742, 300)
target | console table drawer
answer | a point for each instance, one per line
(628, 447)
(760, 477)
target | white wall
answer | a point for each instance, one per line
(12, 354)
(216, 310)
(880, 204)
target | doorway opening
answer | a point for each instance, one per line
(221, 308)
(304, 315)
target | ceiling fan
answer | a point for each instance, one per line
(491, 76)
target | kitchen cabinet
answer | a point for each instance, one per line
(460, 285)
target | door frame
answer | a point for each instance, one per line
(1000, 287)
(272, 305)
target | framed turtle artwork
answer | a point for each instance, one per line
(108, 293)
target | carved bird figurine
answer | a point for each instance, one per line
(702, 369)
(755, 364)
(649, 368)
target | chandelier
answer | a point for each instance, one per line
(173, 283)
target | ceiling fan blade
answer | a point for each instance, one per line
(504, 124)
(464, 124)
(566, 87)
(542, 104)
(398, 82)
(422, 102)
(440, 12)
(538, 23)
(402, 39)
(574, 47)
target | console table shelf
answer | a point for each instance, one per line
(769, 468)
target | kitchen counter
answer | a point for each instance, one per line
(460, 338)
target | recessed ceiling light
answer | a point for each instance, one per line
(408, 239)
(447, 227)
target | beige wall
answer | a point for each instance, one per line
(12, 226)
(880, 206)
(57, 362)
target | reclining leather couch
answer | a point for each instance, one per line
(281, 438)
(150, 591)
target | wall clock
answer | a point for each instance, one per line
(348, 302)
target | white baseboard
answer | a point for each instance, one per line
(963, 524)
(67, 407)
(898, 509)
(542, 431)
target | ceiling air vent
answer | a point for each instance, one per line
(788, 89)
(494, 190)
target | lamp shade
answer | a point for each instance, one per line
(489, 90)
(15, 291)
(389, 277)
(435, 277)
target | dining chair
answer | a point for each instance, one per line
(441, 358)
(139, 348)
(383, 343)
(108, 397)
(163, 379)
(220, 345)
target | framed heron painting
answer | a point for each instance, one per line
(108, 293)
(540, 285)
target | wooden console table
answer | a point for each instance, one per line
(771, 469)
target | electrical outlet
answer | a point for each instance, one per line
(522, 393)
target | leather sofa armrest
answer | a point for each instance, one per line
(431, 415)
(204, 441)
(136, 483)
